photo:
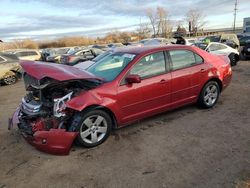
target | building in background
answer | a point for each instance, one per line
(246, 25)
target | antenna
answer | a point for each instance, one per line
(235, 13)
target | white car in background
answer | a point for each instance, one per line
(223, 49)
(25, 54)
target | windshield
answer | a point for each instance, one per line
(111, 65)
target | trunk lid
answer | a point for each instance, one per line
(40, 70)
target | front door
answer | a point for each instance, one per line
(151, 95)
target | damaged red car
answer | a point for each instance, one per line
(64, 104)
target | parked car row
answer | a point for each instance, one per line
(224, 44)
(80, 56)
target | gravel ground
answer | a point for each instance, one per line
(188, 147)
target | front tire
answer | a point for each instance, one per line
(209, 95)
(94, 128)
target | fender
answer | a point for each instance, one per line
(91, 98)
(83, 100)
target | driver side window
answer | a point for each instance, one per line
(150, 65)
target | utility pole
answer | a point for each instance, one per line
(235, 13)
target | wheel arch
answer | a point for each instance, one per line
(11, 71)
(237, 57)
(216, 80)
(17, 73)
(105, 109)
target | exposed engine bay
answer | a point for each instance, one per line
(43, 110)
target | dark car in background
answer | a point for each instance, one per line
(46, 52)
(80, 56)
(246, 50)
(244, 40)
(55, 56)
(201, 45)
(115, 45)
(10, 70)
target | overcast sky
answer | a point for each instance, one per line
(44, 19)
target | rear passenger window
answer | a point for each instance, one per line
(184, 58)
(198, 59)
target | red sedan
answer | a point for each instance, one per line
(65, 104)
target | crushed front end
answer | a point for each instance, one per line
(43, 117)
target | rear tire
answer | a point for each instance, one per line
(209, 95)
(94, 128)
(233, 59)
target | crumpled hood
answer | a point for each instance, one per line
(40, 70)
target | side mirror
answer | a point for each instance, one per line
(133, 78)
(208, 50)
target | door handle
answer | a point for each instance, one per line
(163, 81)
(203, 70)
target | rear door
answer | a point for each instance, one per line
(187, 68)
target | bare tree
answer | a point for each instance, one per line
(164, 24)
(196, 18)
(159, 21)
(143, 31)
(153, 20)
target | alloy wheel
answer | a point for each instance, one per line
(211, 95)
(93, 129)
(11, 79)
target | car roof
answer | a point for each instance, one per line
(217, 43)
(145, 49)
(20, 50)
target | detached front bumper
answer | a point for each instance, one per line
(54, 141)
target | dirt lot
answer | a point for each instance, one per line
(188, 147)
